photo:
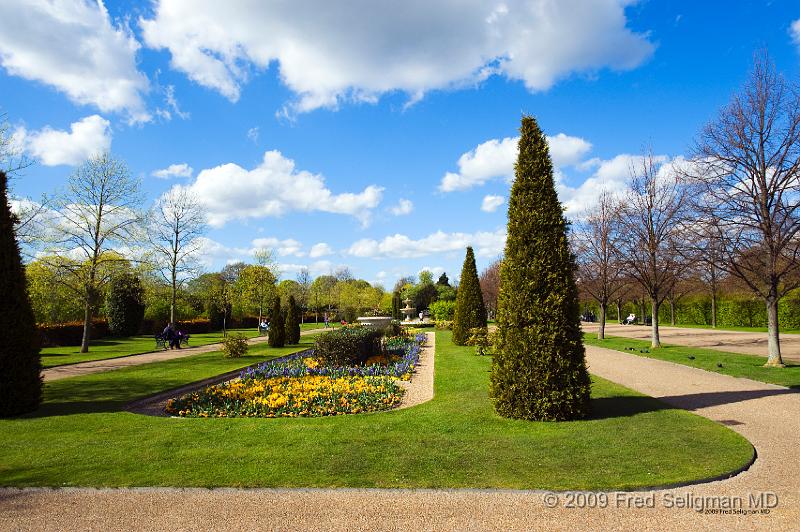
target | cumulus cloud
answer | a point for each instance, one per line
(274, 188)
(350, 61)
(283, 248)
(486, 243)
(794, 31)
(75, 48)
(402, 208)
(174, 170)
(494, 159)
(491, 203)
(320, 249)
(52, 147)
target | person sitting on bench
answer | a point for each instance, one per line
(630, 319)
(172, 336)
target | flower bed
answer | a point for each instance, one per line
(301, 386)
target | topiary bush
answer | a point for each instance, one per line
(277, 331)
(442, 310)
(539, 367)
(235, 345)
(470, 312)
(125, 305)
(348, 346)
(292, 323)
(20, 364)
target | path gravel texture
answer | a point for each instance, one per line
(747, 343)
(420, 388)
(765, 414)
(111, 364)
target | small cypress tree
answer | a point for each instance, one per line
(20, 364)
(292, 323)
(396, 305)
(277, 331)
(470, 310)
(539, 367)
(125, 305)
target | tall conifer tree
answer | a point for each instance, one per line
(470, 311)
(292, 323)
(20, 365)
(539, 367)
(277, 330)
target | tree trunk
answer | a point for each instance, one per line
(601, 332)
(619, 311)
(656, 340)
(173, 299)
(773, 340)
(713, 307)
(87, 325)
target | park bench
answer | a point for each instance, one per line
(163, 343)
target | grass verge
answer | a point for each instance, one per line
(733, 364)
(80, 437)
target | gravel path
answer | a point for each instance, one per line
(747, 343)
(420, 388)
(765, 414)
(111, 364)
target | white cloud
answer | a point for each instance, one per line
(283, 248)
(402, 208)
(494, 159)
(320, 249)
(252, 134)
(435, 270)
(535, 41)
(174, 170)
(486, 243)
(320, 267)
(794, 31)
(491, 203)
(87, 137)
(75, 48)
(273, 188)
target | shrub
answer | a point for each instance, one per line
(470, 311)
(292, 323)
(539, 367)
(235, 345)
(479, 337)
(442, 310)
(348, 346)
(277, 332)
(70, 333)
(20, 363)
(125, 305)
(444, 325)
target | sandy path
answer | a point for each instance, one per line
(765, 414)
(111, 364)
(420, 388)
(748, 343)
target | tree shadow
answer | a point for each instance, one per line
(624, 406)
(696, 401)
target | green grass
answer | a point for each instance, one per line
(80, 437)
(733, 364)
(310, 326)
(120, 347)
(726, 328)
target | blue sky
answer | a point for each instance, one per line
(373, 106)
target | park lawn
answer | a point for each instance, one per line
(80, 437)
(120, 347)
(733, 364)
(725, 328)
(312, 326)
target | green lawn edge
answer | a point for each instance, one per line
(733, 364)
(81, 437)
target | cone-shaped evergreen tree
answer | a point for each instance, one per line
(292, 323)
(277, 330)
(396, 301)
(20, 365)
(539, 367)
(470, 309)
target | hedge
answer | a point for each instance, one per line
(348, 346)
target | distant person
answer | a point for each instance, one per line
(326, 320)
(171, 336)
(421, 316)
(630, 319)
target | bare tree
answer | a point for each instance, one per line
(98, 211)
(597, 241)
(746, 165)
(176, 223)
(304, 280)
(490, 286)
(702, 249)
(652, 214)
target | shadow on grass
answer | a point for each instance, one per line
(624, 406)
